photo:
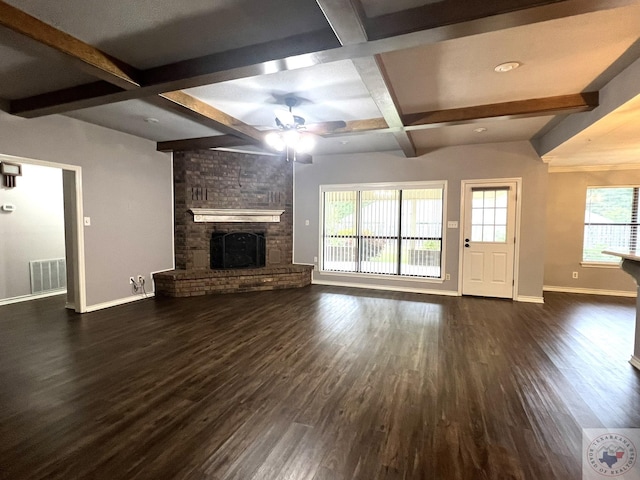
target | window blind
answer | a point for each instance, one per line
(611, 222)
(383, 231)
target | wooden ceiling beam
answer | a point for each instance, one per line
(369, 125)
(225, 123)
(202, 143)
(93, 61)
(345, 20)
(374, 77)
(315, 48)
(563, 104)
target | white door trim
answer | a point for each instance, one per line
(490, 182)
(81, 302)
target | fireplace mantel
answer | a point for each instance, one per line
(237, 215)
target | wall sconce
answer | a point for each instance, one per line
(10, 171)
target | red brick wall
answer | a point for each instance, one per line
(212, 179)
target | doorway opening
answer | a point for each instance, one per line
(73, 230)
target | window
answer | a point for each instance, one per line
(395, 230)
(489, 214)
(611, 222)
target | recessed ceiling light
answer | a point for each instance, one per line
(506, 67)
(151, 120)
(344, 142)
(480, 130)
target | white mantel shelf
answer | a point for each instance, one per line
(236, 215)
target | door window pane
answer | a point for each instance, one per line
(489, 215)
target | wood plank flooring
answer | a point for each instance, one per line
(318, 383)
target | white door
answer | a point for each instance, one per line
(489, 239)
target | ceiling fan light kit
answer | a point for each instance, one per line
(290, 137)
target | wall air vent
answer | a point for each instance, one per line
(48, 275)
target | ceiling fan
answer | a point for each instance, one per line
(294, 134)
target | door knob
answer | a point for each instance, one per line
(466, 245)
(466, 239)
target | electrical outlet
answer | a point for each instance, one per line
(447, 277)
(132, 281)
(141, 279)
(574, 275)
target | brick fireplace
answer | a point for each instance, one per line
(220, 193)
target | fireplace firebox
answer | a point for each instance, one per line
(237, 250)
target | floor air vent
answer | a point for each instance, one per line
(47, 275)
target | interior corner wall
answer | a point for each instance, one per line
(127, 193)
(567, 197)
(454, 164)
(33, 231)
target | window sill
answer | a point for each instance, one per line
(600, 264)
(381, 276)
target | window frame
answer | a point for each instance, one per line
(612, 263)
(443, 184)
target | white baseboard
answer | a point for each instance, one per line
(115, 303)
(590, 291)
(527, 299)
(26, 298)
(448, 293)
(635, 361)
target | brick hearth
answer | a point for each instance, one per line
(206, 179)
(184, 283)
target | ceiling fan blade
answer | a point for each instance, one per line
(321, 128)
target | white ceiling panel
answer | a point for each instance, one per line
(130, 117)
(496, 131)
(327, 92)
(558, 57)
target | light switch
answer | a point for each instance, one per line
(452, 224)
(87, 221)
(306, 222)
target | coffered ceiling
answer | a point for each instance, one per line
(409, 75)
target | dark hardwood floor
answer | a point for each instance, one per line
(318, 383)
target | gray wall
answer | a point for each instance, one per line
(502, 160)
(127, 189)
(34, 231)
(565, 229)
